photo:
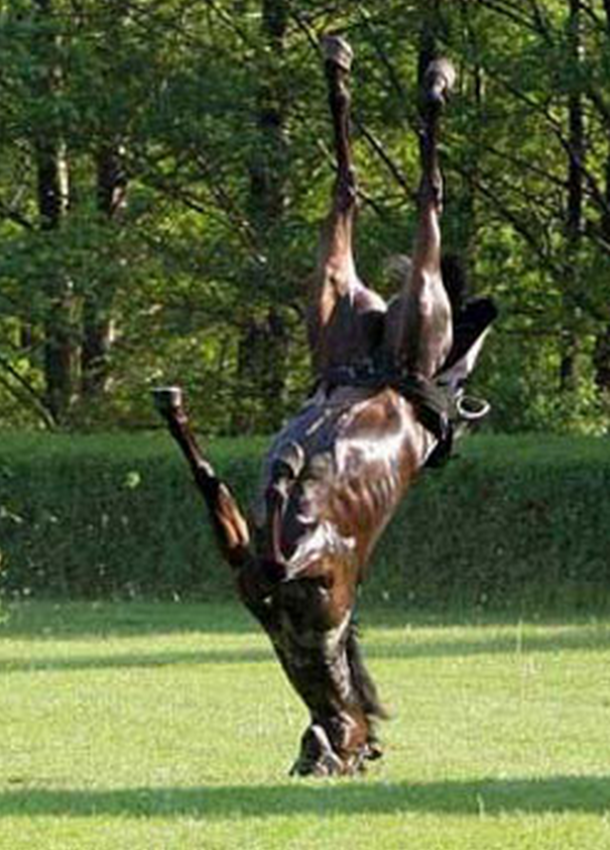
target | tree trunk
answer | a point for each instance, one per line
(98, 323)
(430, 26)
(262, 356)
(468, 198)
(574, 216)
(53, 185)
(268, 166)
(263, 339)
(601, 355)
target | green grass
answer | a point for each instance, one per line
(171, 726)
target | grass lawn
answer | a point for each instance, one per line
(171, 726)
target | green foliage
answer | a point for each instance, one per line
(104, 516)
(512, 520)
(222, 212)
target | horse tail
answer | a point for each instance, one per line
(363, 685)
(285, 471)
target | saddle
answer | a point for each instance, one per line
(441, 405)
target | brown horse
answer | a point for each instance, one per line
(388, 377)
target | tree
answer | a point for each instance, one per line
(53, 193)
(163, 169)
(262, 347)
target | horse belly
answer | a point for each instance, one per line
(353, 482)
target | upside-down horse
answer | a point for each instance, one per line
(387, 399)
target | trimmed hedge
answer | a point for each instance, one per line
(511, 520)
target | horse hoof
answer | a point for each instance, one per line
(337, 50)
(317, 757)
(167, 399)
(373, 751)
(439, 80)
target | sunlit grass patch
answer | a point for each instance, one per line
(143, 725)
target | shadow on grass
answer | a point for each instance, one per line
(74, 620)
(557, 794)
(39, 620)
(561, 639)
(133, 660)
(589, 638)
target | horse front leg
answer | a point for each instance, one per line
(341, 736)
(317, 646)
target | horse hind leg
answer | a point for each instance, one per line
(229, 523)
(419, 334)
(335, 273)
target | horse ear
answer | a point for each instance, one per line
(455, 281)
(471, 326)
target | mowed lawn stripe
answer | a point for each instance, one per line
(139, 725)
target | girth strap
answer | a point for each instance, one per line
(438, 407)
(434, 404)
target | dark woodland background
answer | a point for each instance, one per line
(164, 165)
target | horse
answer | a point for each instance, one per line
(389, 389)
